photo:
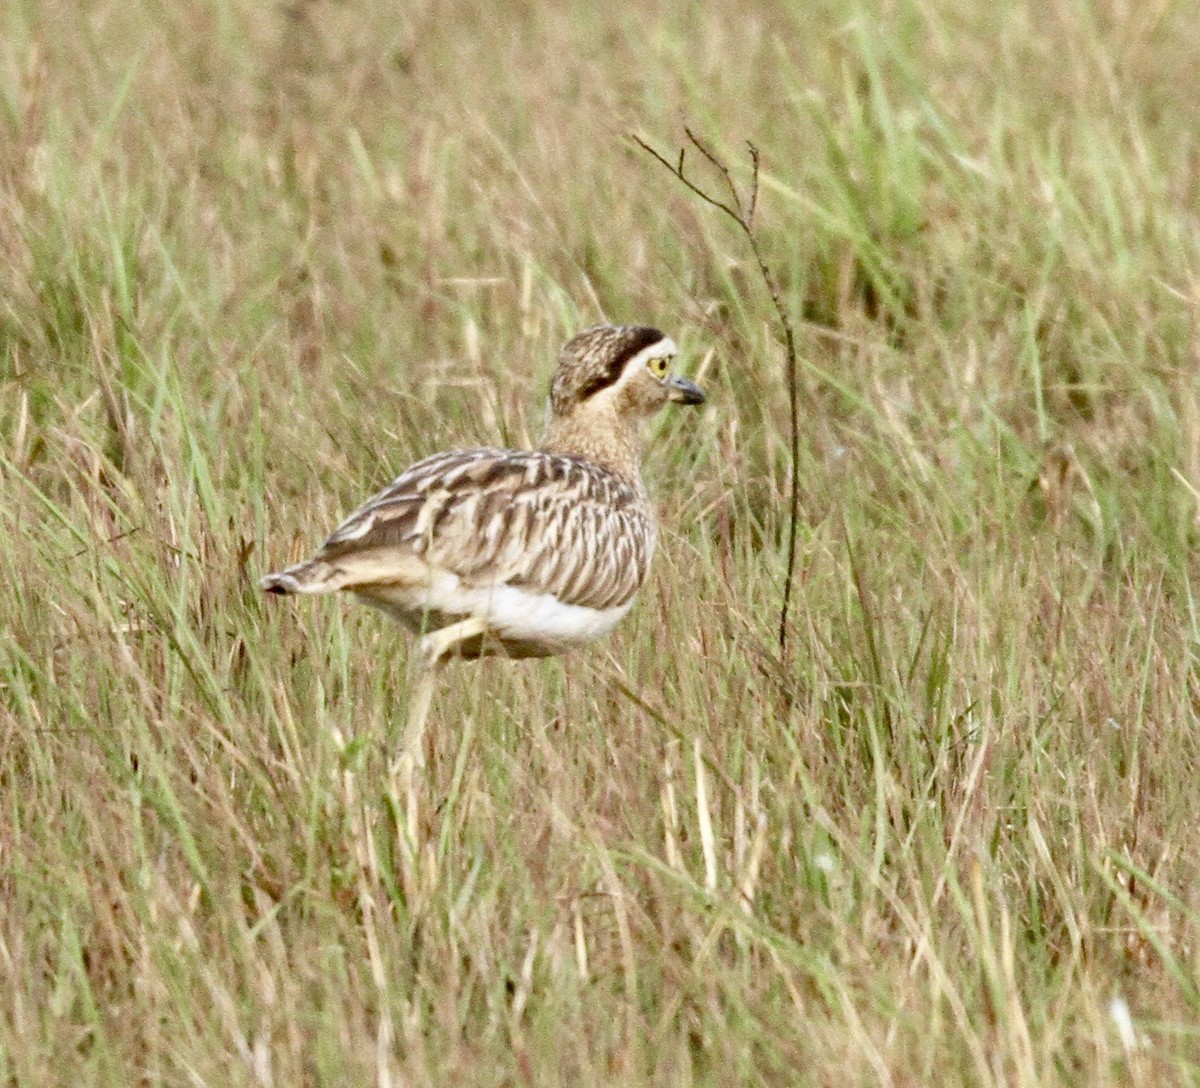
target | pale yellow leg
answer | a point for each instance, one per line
(432, 649)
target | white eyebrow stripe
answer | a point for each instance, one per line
(660, 349)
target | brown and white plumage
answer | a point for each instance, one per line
(526, 553)
(501, 534)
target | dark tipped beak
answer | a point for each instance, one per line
(684, 392)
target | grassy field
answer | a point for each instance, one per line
(255, 259)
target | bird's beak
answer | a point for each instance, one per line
(684, 392)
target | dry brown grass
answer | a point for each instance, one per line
(254, 260)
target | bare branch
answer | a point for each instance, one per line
(721, 168)
(741, 211)
(753, 184)
(678, 172)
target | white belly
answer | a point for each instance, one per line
(539, 617)
(512, 614)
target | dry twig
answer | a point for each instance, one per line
(740, 208)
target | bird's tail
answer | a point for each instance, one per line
(311, 576)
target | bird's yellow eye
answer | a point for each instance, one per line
(659, 367)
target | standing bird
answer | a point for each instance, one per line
(525, 553)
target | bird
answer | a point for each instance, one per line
(516, 553)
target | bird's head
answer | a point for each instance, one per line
(621, 369)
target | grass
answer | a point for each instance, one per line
(254, 261)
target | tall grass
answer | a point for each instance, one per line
(253, 261)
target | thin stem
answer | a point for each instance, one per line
(741, 211)
(679, 173)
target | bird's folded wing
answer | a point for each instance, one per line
(543, 522)
(583, 553)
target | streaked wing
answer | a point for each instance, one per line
(544, 522)
(405, 512)
(583, 550)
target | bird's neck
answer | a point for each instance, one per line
(604, 438)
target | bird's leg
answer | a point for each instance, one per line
(431, 650)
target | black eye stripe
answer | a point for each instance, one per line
(636, 338)
(597, 357)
